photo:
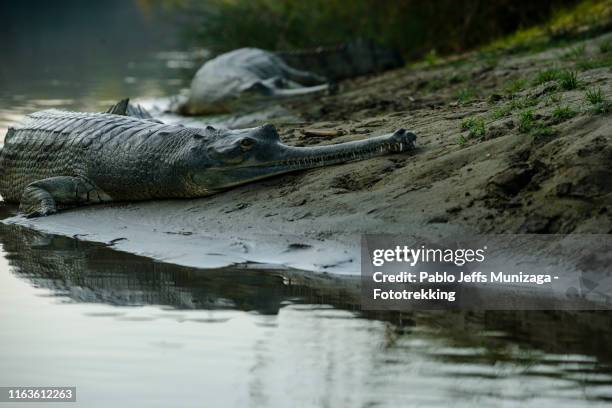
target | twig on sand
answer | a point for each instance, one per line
(322, 132)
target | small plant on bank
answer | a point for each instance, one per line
(525, 102)
(462, 140)
(594, 63)
(526, 121)
(514, 104)
(502, 111)
(561, 113)
(605, 47)
(575, 52)
(522, 103)
(598, 102)
(490, 60)
(474, 126)
(547, 76)
(528, 124)
(435, 84)
(541, 131)
(431, 58)
(553, 99)
(456, 78)
(515, 87)
(568, 80)
(465, 95)
(594, 97)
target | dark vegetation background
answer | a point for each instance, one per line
(120, 30)
(415, 27)
(73, 40)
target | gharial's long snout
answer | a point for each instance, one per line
(270, 157)
(297, 158)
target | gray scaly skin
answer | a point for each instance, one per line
(252, 75)
(245, 75)
(348, 60)
(58, 159)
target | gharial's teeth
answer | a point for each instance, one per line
(343, 155)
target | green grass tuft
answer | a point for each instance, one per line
(502, 111)
(465, 95)
(525, 102)
(598, 102)
(528, 124)
(435, 84)
(456, 78)
(474, 126)
(594, 96)
(461, 140)
(575, 52)
(547, 76)
(512, 105)
(489, 59)
(561, 113)
(568, 80)
(541, 132)
(553, 99)
(602, 108)
(432, 58)
(515, 86)
(605, 47)
(593, 63)
(526, 121)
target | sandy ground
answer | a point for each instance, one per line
(511, 179)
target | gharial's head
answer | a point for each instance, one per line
(220, 159)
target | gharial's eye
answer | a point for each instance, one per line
(247, 143)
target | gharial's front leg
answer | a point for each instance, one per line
(45, 197)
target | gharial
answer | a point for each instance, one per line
(245, 73)
(57, 159)
(251, 74)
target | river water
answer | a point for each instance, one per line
(128, 331)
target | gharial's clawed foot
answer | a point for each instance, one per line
(41, 210)
(44, 197)
(37, 203)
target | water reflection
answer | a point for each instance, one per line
(304, 337)
(88, 272)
